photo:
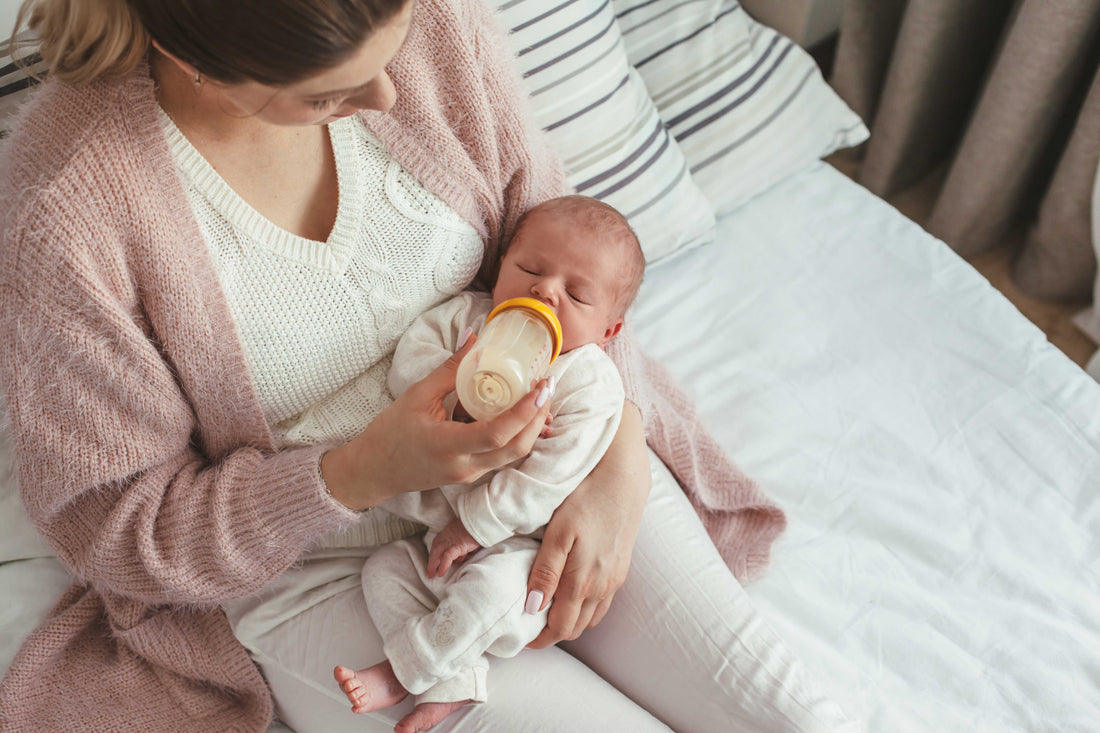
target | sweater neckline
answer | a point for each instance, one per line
(332, 255)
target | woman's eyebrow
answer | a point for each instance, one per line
(335, 92)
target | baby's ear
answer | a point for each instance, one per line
(612, 331)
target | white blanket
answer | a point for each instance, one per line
(938, 459)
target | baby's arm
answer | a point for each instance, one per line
(587, 405)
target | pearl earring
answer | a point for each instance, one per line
(198, 79)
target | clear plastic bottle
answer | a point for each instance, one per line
(521, 338)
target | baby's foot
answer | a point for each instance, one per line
(370, 689)
(425, 715)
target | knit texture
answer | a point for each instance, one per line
(143, 452)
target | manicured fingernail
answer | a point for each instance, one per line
(552, 383)
(544, 394)
(465, 337)
(534, 602)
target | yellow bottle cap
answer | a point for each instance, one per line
(540, 309)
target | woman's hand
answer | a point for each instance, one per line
(586, 550)
(412, 446)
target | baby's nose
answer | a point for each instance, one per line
(546, 293)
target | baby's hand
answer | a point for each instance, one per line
(450, 546)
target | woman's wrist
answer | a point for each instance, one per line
(345, 482)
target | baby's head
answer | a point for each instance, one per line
(580, 257)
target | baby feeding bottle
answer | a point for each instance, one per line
(520, 339)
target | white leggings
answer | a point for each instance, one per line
(681, 647)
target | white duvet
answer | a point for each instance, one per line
(938, 460)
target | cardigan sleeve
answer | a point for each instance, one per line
(110, 457)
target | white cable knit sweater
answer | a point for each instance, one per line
(319, 320)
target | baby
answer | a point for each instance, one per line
(445, 601)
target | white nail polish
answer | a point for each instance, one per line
(544, 394)
(534, 602)
(465, 337)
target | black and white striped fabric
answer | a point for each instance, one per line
(600, 119)
(747, 105)
(15, 82)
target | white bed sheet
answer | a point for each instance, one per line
(939, 461)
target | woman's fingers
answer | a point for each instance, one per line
(601, 610)
(441, 381)
(511, 434)
(584, 618)
(543, 584)
(571, 614)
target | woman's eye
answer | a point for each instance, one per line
(321, 104)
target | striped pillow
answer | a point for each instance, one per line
(746, 104)
(601, 121)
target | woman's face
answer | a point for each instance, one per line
(361, 82)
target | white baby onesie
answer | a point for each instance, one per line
(437, 632)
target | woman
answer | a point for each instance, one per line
(202, 241)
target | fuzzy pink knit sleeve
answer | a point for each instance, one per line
(113, 462)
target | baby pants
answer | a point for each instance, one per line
(437, 631)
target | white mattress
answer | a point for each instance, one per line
(938, 460)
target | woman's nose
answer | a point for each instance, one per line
(380, 95)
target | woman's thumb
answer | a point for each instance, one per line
(545, 575)
(442, 378)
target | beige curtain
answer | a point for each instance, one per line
(1006, 96)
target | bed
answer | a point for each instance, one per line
(937, 458)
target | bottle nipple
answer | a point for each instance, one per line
(492, 390)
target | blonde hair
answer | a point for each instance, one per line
(83, 40)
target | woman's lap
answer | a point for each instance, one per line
(544, 690)
(681, 638)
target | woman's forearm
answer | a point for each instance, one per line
(624, 468)
(585, 553)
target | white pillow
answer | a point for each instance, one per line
(601, 121)
(747, 105)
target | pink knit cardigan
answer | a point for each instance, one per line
(142, 450)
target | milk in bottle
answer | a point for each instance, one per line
(521, 337)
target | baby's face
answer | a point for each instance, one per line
(558, 262)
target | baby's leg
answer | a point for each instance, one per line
(437, 630)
